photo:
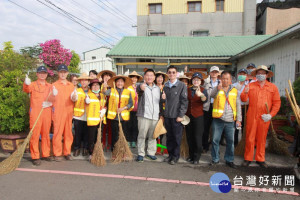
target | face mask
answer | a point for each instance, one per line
(242, 78)
(261, 77)
(96, 91)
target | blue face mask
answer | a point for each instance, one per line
(96, 91)
(242, 78)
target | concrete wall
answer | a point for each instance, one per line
(283, 54)
(98, 65)
(218, 23)
(98, 53)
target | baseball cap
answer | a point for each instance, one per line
(41, 69)
(197, 75)
(243, 70)
(214, 68)
(251, 65)
(62, 67)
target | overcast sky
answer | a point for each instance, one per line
(102, 17)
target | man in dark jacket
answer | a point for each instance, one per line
(176, 102)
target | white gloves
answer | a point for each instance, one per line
(54, 91)
(46, 104)
(27, 80)
(266, 117)
(102, 112)
(87, 99)
(74, 95)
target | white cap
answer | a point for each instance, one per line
(214, 68)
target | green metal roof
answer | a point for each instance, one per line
(189, 47)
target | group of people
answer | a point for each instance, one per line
(139, 102)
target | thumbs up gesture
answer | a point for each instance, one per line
(143, 86)
(54, 91)
(220, 86)
(247, 89)
(74, 95)
(87, 99)
(163, 96)
(27, 80)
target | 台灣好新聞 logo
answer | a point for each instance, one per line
(219, 183)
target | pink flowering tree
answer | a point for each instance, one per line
(53, 54)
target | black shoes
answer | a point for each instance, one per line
(76, 152)
(173, 161)
(246, 163)
(231, 164)
(85, 152)
(213, 163)
(36, 162)
(196, 162)
(167, 159)
(49, 159)
(262, 164)
(190, 160)
(68, 157)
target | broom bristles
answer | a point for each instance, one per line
(98, 157)
(121, 150)
(184, 148)
(240, 148)
(277, 146)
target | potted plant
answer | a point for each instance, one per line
(14, 103)
(287, 132)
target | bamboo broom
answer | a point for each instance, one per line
(240, 148)
(184, 147)
(121, 150)
(275, 145)
(98, 157)
(13, 161)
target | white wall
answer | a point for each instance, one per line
(283, 54)
(98, 53)
(98, 65)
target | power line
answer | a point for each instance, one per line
(49, 20)
(119, 11)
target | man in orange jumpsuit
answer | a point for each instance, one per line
(62, 115)
(258, 118)
(39, 91)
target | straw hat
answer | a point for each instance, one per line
(184, 77)
(186, 120)
(263, 67)
(140, 78)
(111, 81)
(166, 77)
(106, 71)
(84, 76)
(159, 129)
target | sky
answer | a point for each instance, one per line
(103, 22)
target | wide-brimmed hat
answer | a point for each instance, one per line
(159, 129)
(186, 120)
(166, 77)
(106, 71)
(184, 77)
(134, 73)
(262, 67)
(94, 81)
(128, 81)
(84, 76)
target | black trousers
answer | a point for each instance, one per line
(81, 134)
(207, 124)
(194, 135)
(174, 135)
(115, 131)
(236, 133)
(132, 131)
(92, 137)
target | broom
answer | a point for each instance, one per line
(184, 148)
(121, 150)
(275, 145)
(98, 157)
(240, 148)
(293, 102)
(12, 162)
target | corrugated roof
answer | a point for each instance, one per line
(190, 47)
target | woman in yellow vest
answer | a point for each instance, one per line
(120, 102)
(133, 131)
(95, 112)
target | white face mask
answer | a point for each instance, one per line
(261, 77)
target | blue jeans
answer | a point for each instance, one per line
(218, 126)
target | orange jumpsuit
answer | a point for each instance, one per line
(62, 118)
(38, 94)
(257, 129)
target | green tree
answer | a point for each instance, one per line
(14, 103)
(32, 52)
(74, 64)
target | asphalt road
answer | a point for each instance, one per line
(78, 179)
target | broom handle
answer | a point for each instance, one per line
(293, 96)
(292, 105)
(273, 131)
(117, 103)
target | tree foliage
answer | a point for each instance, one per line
(74, 64)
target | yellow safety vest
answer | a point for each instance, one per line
(220, 101)
(132, 91)
(93, 109)
(114, 102)
(80, 103)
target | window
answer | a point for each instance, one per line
(157, 33)
(200, 33)
(155, 8)
(219, 5)
(93, 57)
(297, 70)
(272, 68)
(194, 6)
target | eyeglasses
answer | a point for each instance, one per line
(171, 72)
